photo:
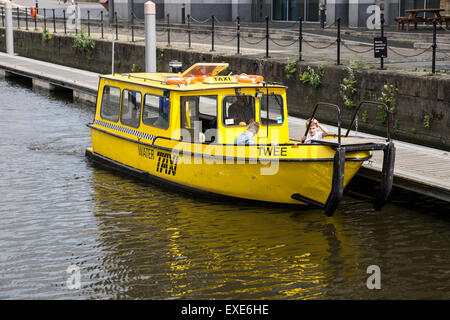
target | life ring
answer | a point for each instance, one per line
(180, 80)
(257, 78)
(249, 78)
(33, 12)
(200, 78)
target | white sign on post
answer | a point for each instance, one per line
(73, 17)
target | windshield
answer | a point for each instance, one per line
(276, 114)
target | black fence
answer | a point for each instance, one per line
(210, 29)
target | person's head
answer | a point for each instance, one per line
(253, 127)
(314, 126)
(242, 100)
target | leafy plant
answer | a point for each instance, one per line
(348, 90)
(313, 77)
(364, 116)
(430, 74)
(46, 36)
(356, 64)
(135, 68)
(84, 44)
(388, 97)
(291, 68)
(426, 121)
(396, 124)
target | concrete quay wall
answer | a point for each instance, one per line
(421, 107)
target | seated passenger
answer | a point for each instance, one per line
(241, 111)
(316, 131)
(246, 137)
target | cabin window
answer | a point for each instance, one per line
(199, 118)
(276, 114)
(131, 108)
(156, 112)
(238, 110)
(110, 103)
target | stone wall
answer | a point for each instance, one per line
(422, 102)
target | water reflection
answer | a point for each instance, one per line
(179, 246)
(135, 240)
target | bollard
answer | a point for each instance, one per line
(117, 26)
(183, 14)
(101, 23)
(238, 34)
(9, 29)
(267, 37)
(382, 35)
(64, 22)
(434, 46)
(150, 36)
(338, 40)
(111, 10)
(300, 38)
(132, 25)
(35, 20)
(168, 30)
(322, 15)
(54, 21)
(212, 33)
(189, 30)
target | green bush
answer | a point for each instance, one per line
(84, 44)
(313, 77)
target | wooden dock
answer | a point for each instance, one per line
(417, 168)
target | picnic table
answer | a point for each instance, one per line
(414, 18)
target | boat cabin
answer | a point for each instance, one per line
(198, 105)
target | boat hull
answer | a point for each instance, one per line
(269, 180)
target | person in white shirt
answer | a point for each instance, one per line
(316, 131)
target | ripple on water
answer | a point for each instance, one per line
(133, 240)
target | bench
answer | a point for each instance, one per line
(401, 21)
(445, 19)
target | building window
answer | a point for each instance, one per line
(285, 10)
(110, 103)
(156, 112)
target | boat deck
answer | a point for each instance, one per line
(417, 168)
(351, 141)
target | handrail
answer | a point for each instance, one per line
(374, 103)
(339, 117)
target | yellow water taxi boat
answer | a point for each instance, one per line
(182, 128)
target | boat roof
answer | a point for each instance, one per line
(211, 81)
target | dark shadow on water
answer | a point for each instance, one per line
(404, 198)
(212, 199)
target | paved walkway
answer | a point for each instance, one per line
(407, 50)
(417, 168)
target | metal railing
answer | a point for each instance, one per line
(201, 30)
